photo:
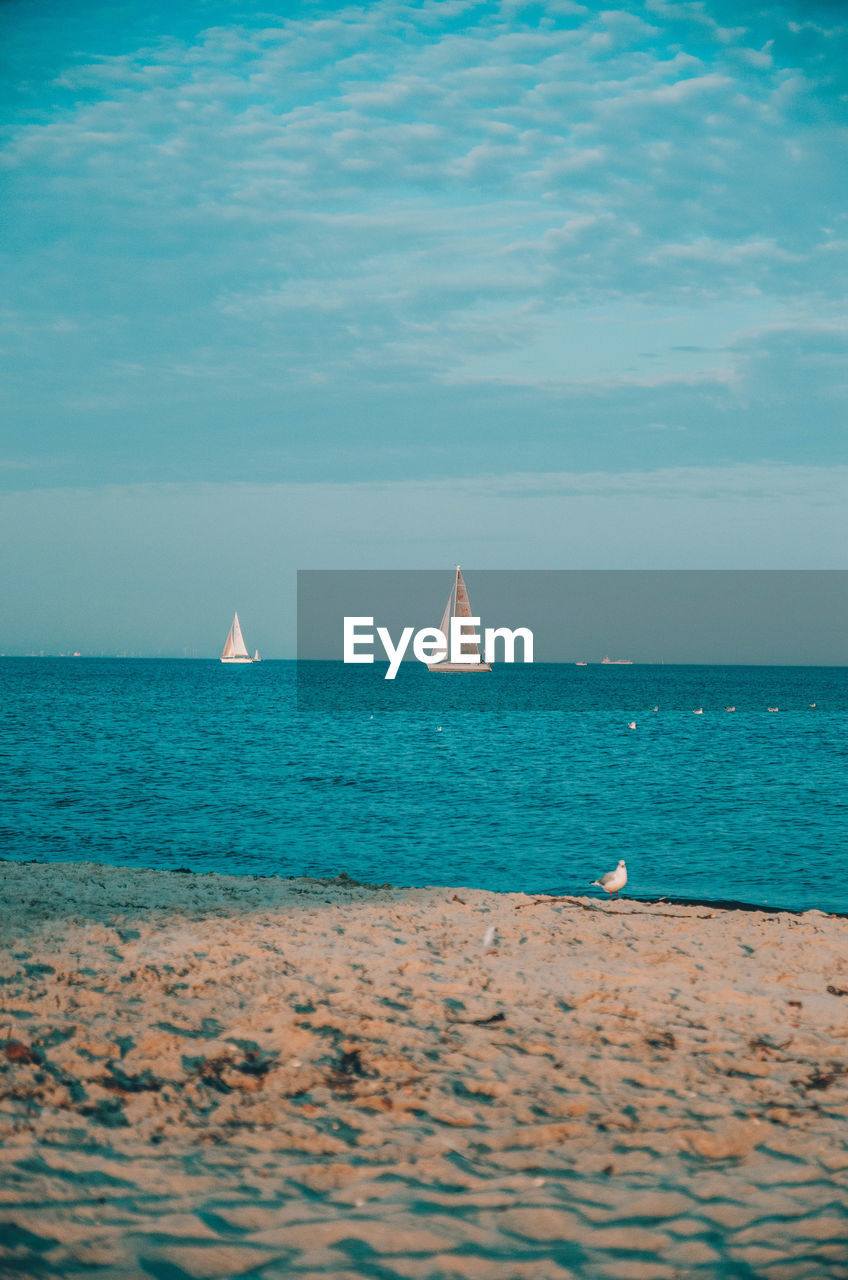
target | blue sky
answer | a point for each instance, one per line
(343, 274)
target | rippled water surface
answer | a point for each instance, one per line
(200, 765)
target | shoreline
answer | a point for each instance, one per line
(342, 878)
(211, 1076)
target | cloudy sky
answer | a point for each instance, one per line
(398, 283)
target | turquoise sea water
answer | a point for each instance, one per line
(195, 764)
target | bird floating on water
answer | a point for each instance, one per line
(613, 881)
(774, 708)
(632, 724)
(730, 708)
(697, 711)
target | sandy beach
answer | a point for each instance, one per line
(209, 1076)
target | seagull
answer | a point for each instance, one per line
(812, 704)
(613, 881)
(730, 708)
(632, 724)
(697, 711)
(774, 708)
(655, 708)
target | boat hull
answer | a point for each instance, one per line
(458, 666)
(240, 660)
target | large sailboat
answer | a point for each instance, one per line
(235, 650)
(458, 607)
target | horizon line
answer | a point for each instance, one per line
(548, 662)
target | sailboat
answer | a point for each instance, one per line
(458, 607)
(235, 650)
(256, 657)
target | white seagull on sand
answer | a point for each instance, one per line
(613, 881)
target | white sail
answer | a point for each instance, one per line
(238, 649)
(458, 606)
(235, 650)
(444, 625)
(462, 609)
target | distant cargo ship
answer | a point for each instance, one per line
(616, 662)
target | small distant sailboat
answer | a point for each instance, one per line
(256, 657)
(235, 650)
(458, 606)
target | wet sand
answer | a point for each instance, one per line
(210, 1076)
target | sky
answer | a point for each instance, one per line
(404, 284)
(749, 617)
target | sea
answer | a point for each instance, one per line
(532, 779)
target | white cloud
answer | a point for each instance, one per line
(709, 250)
